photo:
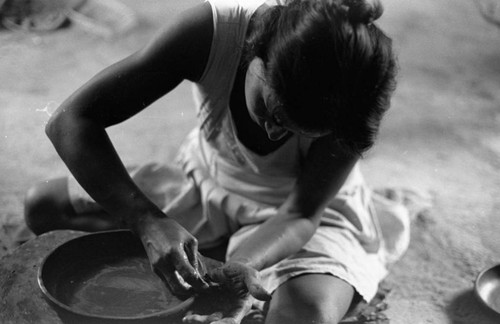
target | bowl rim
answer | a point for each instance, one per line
(477, 284)
(184, 305)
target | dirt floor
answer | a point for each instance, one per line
(442, 137)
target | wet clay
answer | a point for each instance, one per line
(121, 287)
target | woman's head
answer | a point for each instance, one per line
(329, 68)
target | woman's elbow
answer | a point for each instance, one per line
(54, 126)
(61, 124)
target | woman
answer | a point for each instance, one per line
(289, 96)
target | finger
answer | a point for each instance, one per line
(165, 273)
(236, 314)
(202, 266)
(252, 282)
(189, 274)
(258, 292)
(227, 320)
(191, 249)
(196, 261)
(198, 319)
(195, 319)
(168, 275)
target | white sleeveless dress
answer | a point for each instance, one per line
(219, 189)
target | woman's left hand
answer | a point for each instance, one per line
(235, 286)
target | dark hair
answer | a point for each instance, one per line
(330, 66)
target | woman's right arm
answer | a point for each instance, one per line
(77, 130)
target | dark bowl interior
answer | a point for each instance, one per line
(106, 275)
(488, 287)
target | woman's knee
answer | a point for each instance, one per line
(315, 298)
(46, 204)
(316, 312)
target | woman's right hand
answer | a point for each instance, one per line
(173, 253)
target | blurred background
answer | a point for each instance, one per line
(441, 137)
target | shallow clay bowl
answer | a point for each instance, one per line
(487, 287)
(107, 275)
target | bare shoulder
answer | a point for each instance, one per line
(183, 43)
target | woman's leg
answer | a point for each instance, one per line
(312, 298)
(48, 207)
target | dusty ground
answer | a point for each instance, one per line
(441, 137)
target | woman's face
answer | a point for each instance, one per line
(261, 102)
(264, 107)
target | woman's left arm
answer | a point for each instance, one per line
(282, 235)
(299, 216)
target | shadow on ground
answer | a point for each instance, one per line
(466, 308)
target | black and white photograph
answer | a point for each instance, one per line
(250, 161)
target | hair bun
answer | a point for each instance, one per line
(363, 11)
